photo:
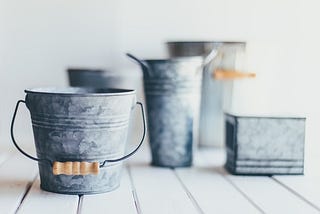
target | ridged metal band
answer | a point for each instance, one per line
(84, 122)
(170, 87)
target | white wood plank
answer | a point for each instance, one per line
(5, 152)
(270, 196)
(5, 155)
(16, 174)
(158, 189)
(39, 201)
(267, 194)
(143, 155)
(118, 201)
(211, 191)
(307, 187)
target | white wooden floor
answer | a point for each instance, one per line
(204, 188)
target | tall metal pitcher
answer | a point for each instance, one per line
(172, 89)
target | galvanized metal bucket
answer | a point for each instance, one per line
(80, 137)
(86, 77)
(172, 90)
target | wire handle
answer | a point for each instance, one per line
(103, 163)
(14, 140)
(137, 148)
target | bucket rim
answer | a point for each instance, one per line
(104, 73)
(217, 42)
(75, 69)
(266, 116)
(80, 91)
(176, 59)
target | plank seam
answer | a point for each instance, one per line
(296, 193)
(7, 157)
(190, 196)
(80, 202)
(133, 190)
(235, 186)
(243, 194)
(27, 190)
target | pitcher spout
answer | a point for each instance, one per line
(145, 67)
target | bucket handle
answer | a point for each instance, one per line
(137, 148)
(12, 135)
(53, 164)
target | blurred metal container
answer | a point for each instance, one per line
(216, 94)
(192, 48)
(85, 77)
(260, 145)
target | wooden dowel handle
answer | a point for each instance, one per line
(222, 74)
(75, 168)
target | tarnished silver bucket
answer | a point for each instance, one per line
(86, 77)
(80, 136)
(172, 90)
(98, 78)
(216, 94)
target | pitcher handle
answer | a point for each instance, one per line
(225, 74)
(13, 138)
(137, 148)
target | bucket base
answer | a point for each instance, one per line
(261, 171)
(80, 192)
(260, 145)
(171, 166)
(107, 180)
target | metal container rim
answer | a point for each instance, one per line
(271, 116)
(218, 42)
(75, 69)
(80, 91)
(103, 73)
(175, 59)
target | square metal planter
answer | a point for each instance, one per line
(264, 145)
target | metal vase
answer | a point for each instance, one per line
(172, 91)
(79, 125)
(216, 94)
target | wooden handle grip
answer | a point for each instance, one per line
(221, 74)
(75, 168)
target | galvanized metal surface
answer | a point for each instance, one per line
(80, 124)
(172, 90)
(191, 48)
(216, 94)
(98, 78)
(102, 79)
(265, 145)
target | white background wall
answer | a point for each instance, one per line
(40, 38)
